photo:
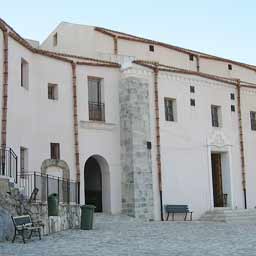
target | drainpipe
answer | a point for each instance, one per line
(75, 120)
(158, 151)
(115, 45)
(197, 63)
(241, 141)
(5, 88)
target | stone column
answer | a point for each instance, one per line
(137, 180)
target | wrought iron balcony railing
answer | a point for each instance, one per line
(96, 111)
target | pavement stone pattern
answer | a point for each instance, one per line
(123, 236)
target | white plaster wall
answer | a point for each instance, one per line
(220, 68)
(160, 54)
(249, 104)
(184, 147)
(96, 138)
(33, 120)
(83, 40)
(186, 170)
(78, 40)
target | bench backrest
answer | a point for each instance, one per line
(23, 220)
(176, 208)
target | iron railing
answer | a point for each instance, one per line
(8, 163)
(37, 187)
(96, 111)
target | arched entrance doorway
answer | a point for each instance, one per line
(97, 183)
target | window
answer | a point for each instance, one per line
(191, 57)
(24, 74)
(52, 91)
(192, 102)
(55, 39)
(229, 66)
(55, 151)
(233, 108)
(253, 120)
(192, 89)
(232, 96)
(95, 98)
(151, 48)
(216, 114)
(23, 161)
(170, 109)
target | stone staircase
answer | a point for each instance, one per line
(228, 215)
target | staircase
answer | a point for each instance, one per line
(228, 215)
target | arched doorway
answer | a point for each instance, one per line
(97, 183)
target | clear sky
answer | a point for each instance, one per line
(224, 28)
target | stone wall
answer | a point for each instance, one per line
(137, 180)
(14, 203)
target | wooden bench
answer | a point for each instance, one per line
(173, 208)
(23, 224)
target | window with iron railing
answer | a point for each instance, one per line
(95, 99)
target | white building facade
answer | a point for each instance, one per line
(139, 123)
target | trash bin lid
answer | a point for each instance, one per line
(88, 206)
(53, 195)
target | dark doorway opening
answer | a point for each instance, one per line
(218, 197)
(93, 183)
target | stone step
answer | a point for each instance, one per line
(230, 216)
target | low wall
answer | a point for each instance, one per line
(14, 204)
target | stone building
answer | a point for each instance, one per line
(138, 123)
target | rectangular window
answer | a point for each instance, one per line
(253, 120)
(55, 151)
(170, 109)
(95, 99)
(191, 57)
(52, 91)
(192, 89)
(24, 73)
(55, 39)
(232, 96)
(23, 161)
(229, 66)
(151, 48)
(192, 102)
(233, 108)
(216, 114)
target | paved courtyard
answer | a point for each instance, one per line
(124, 236)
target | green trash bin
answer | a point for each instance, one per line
(87, 214)
(53, 205)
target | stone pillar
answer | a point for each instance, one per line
(137, 180)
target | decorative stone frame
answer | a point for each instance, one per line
(56, 163)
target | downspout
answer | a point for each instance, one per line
(5, 89)
(75, 120)
(115, 45)
(158, 150)
(241, 141)
(197, 63)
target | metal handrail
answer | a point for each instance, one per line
(96, 111)
(8, 162)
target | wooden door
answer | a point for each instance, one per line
(217, 180)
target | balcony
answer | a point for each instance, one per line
(96, 111)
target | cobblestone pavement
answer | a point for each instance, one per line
(121, 235)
